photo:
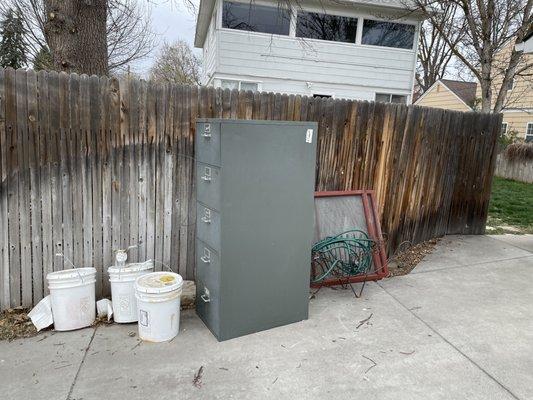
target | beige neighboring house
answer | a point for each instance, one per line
(450, 95)
(518, 105)
(462, 96)
(518, 112)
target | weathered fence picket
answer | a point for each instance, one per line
(89, 165)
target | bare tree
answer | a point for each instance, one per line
(176, 63)
(490, 27)
(129, 34)
(434, 53)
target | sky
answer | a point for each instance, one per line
(171, 21)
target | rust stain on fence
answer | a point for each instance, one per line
(89, 165)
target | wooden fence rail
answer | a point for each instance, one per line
(89, 165)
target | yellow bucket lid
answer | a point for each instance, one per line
(159, 282)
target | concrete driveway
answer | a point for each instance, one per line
(460, 326)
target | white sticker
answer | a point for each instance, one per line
(143, 318)
(309, 136)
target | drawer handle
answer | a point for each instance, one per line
(207, 131)
(207, 174)
(206, 258)
(205, 297)
(207, 216)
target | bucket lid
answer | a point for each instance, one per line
(70, 273)
(158, 282)
(131, 267)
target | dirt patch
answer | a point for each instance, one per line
(102, 321)
(15, 324)
(406, 260)
(495, 226)
(188, 295)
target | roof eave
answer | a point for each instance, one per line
(202, 22)
(447, 88)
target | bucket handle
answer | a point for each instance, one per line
(120, 267)
(162, 264)
(71, 263)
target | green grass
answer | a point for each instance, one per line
(511, 204)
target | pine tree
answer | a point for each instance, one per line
(43, 60)
(13, 47)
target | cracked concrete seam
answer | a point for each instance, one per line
(69, 394)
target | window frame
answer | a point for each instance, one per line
(413, 47)
(357, 19)
(220, 19)
(315, 9)
(502, 131)
(239, 81)
(529, 135)
(323, 95)
(390, 97)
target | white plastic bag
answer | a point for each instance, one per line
(41, 314)
(104, 307)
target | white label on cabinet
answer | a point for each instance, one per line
(309, 136)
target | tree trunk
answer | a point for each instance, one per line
(486, 82)
(508, 77)
(76, 34)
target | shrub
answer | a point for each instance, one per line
(519, 152)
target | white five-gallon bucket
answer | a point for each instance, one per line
(158, 304)
(72, 298)
(122, 280)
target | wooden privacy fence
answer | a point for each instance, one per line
(515, 169)
(90, 165)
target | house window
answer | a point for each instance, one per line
(391, 98)
(529, 132)
(227, 84)
(504, 129)
(252, 17)
(326, 27)
(388, 34)
(239, 85)
(321, 96)
(252, 86)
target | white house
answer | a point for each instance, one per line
(353, 49)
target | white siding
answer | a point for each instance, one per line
(287, 64)
(210, 51)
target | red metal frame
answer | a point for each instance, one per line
(374, 232)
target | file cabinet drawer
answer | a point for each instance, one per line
(208, 143)
(207, 303)
(207, 264)
(208, 185)
(208, 225)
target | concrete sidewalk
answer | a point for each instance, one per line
(460, 326)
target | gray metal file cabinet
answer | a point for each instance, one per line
(255, 221)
